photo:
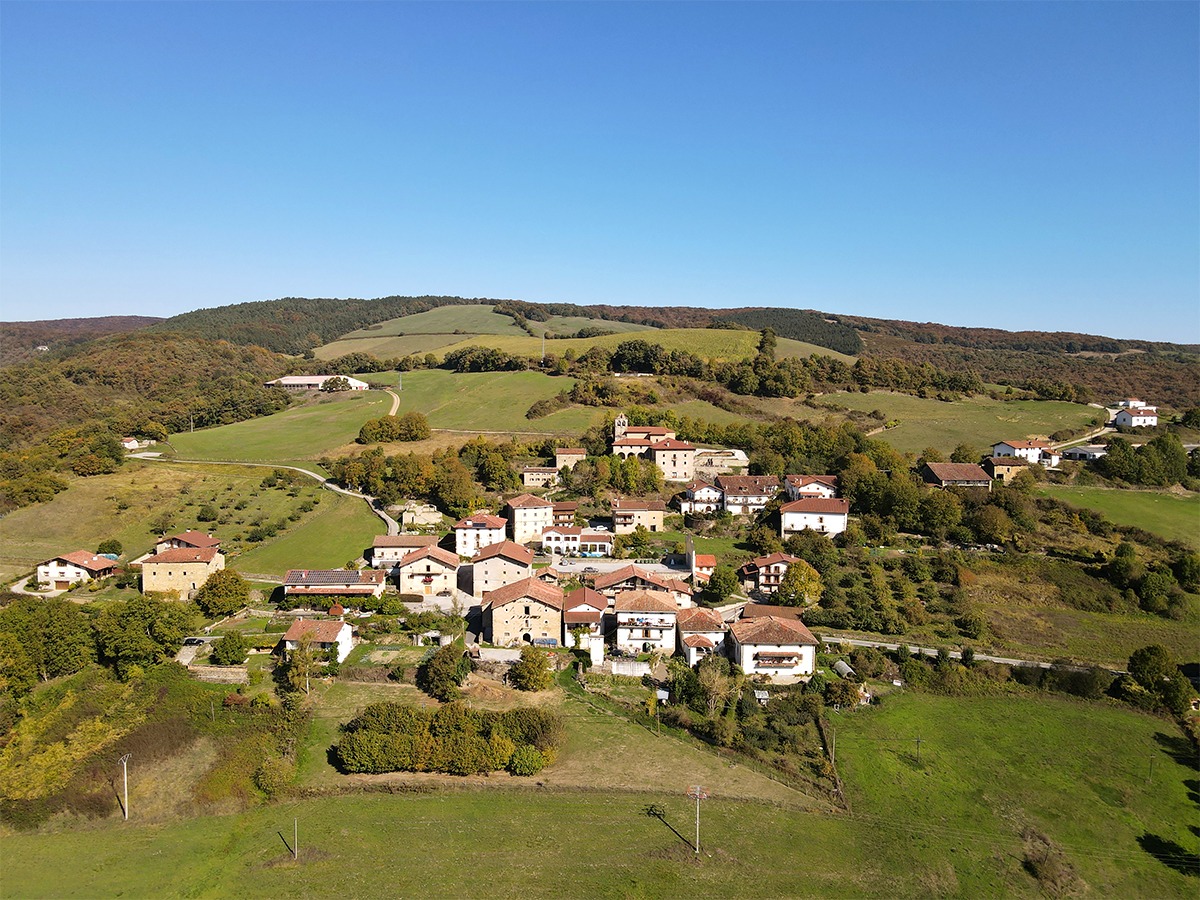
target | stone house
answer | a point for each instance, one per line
(498, 565)
(524, 612)
(181, 571)
(429, 571)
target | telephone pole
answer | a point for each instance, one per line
(124, 761)
(697, 793)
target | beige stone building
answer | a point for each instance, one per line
(525, 612)
(428, 572)
(629, 514)
(499, 565)
(181, 572)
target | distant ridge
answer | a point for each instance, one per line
(20, 340)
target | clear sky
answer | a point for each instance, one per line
(1018, 165)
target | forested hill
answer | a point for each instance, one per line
(19, 340)
(297, 324)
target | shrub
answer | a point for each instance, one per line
(230, 650)
(273, 775)
(526, 761)
(532, 671)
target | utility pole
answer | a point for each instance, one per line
(918, 749)
(1150, 774)
(124, 760)
(295, 838)
(697, 793)
(543, 348)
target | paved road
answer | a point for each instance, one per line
(829, 637)
(393, 527)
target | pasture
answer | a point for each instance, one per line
(302, 432)
(1173, 516)
(340, 530)
(976, 421)
(129, 505)
(948, 823)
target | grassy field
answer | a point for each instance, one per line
(302, 432)
(339, 530)
(123, 506)
(950, 824)
(1170, 515)
(976, 421)
(991, 767)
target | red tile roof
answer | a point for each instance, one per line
(748, 484)
(528, 501)
(817, 505)
(527, 588)
(443, 556)
(86, 560)
(322, 631)
(507, 549)
(773, 631)
(705, 560)
(645, 601)
(671, 444)
(582, 616)
(763, 561)
(697, 641)
(566, 506)
(697, 618)
(196, 539)
(950, 472)
(182, 555)
(481, 521)
(758, 610)
(803, 480)
(625, 573)
(631, 442)
(574, 530)
(585, 597)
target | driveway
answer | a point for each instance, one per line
(19, 588)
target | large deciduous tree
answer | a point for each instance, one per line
(224, 592)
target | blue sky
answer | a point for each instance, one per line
(1024, 166)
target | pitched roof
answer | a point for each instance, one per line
(1025, 445)
(574, 530)
(704, 560)
(758, 610)
(518, 554)
(443, 556)
(747, 484)
(671, 444)
(332, 577)
(585, 597)
(802, 480)
(620, 505)
(566, 505)
(769, 560)
(182, 555)
(631, 442)
(817, 505)
(582, 616)
(93, 562)
(697, 618)
(322, 631)
(700, 484)
(481, 521)
(697, 641)
(575, 451)
(1006, 461)
(648, 429)
(645, 601)
(957, 472)
(195, 538)
(528, 501)
(772, 630)
(608, 579)
(527, 588)
(400, 541)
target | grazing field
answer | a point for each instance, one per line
(708, 343)
(948, 824)
(129, 505)
(338, 531)
(302, 432)
(990, 768)
(465, 319)
(1170, 515)
(976, 421)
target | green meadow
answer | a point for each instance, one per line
(338, 531)
(977, 421)
(1170, 515)
(1108, 791)
(301, 432)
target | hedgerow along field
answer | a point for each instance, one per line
(976, 421)
(301, 432)
(129, 505)
(1173, 516)
(950, 822)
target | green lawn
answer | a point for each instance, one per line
(1170, 515)
(465, 319)
(949, 825)
(339, 530)
(989, 767)
(302, 432)
(977, 421)
(123, 506)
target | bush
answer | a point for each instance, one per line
(532, 671)
(273, 775)
(230, 650)
(441, 674)
(526, 761)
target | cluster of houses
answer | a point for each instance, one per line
(179, 566)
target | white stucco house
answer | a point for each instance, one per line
(1139, 417)
(747, 494)
(778, 648)
(1040, 452)
(583, 608)
(701, 497)
(528, 517)
(816, 513)
(75, 567)
(702, 632)
(388, 549)
(572, 540)
(800, 486)
(475, 532)
(323, 635)
(645, 621)
(428, 571)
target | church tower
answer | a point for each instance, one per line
(620, 426)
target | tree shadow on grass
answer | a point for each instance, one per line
(1193, 789)
(1171, 854)
(1179, 749)
(654, 811)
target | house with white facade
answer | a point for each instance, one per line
(539, 476)
(1039, 452)
(565, 512)
(632, 578)
(766, 572)
(778, 648)
(583, 608)
(629, 514)
(676, 459)
(475, 532)
(801, 486)
(701, 497)
(747, 494)
(1139, 417)
(701, 632)
(314, 382)
(528, 517)
(524, 612)
(75, 567)
(572, 540)
(388, 549)
(498, 565)
(816, 513)
(429, 571)
(323, 636)
(645, 621)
